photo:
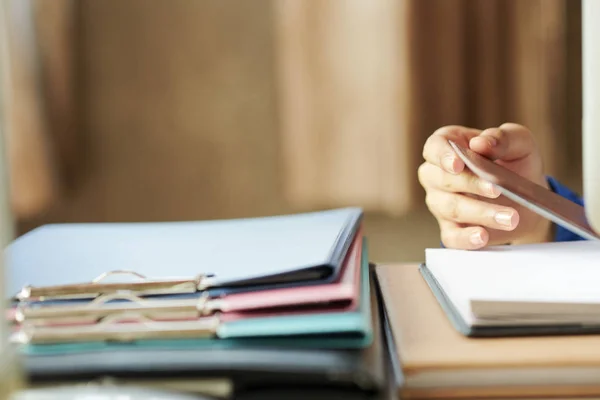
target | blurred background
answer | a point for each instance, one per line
(153, 110)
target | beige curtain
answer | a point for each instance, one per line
(29, 147)
(213, 109)
(41, 107)
(362, 84)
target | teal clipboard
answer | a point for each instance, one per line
(347, 330)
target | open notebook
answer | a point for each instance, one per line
(551, 288)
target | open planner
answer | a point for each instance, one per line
(283, 299)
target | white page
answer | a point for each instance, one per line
(549, 272)
(231, 249)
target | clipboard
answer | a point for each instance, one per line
(56, 262)
(341, 295)
(352, 327)
(317, 362)
(143, 286)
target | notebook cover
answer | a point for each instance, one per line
(273, 251)
(426, 342)
(528, 194)
(498, 331)
(251, 366)
(351, 329)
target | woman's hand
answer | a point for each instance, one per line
(470, 212)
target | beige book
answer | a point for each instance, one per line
(434, 360)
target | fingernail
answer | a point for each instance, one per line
(477, 239)
(489, 188)
(492, 141)
(448, 162)
(505, 218)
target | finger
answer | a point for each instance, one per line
(455, 236)
(438, 152)
(509, 142)
(433, 177)
(466, 210)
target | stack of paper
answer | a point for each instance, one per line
(282, 299)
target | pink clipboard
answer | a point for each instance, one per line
(344, 292)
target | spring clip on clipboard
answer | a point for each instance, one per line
(127, 327)
(130, 320)
(97, 287)
(101, 308)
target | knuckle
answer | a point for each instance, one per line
(430, 146)
(508, 125)
(433, 205)
(451, 207)
(429, 202)
(448, 238)
(421, 172)
(475, 185)
(512, 125)
(447, 182)
(426, 148)
(518, 129)
(446, 130)
(500, 135)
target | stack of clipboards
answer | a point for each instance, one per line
(282, 303)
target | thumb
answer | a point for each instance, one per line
(509, 142)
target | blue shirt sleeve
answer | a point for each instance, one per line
(563, 234)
